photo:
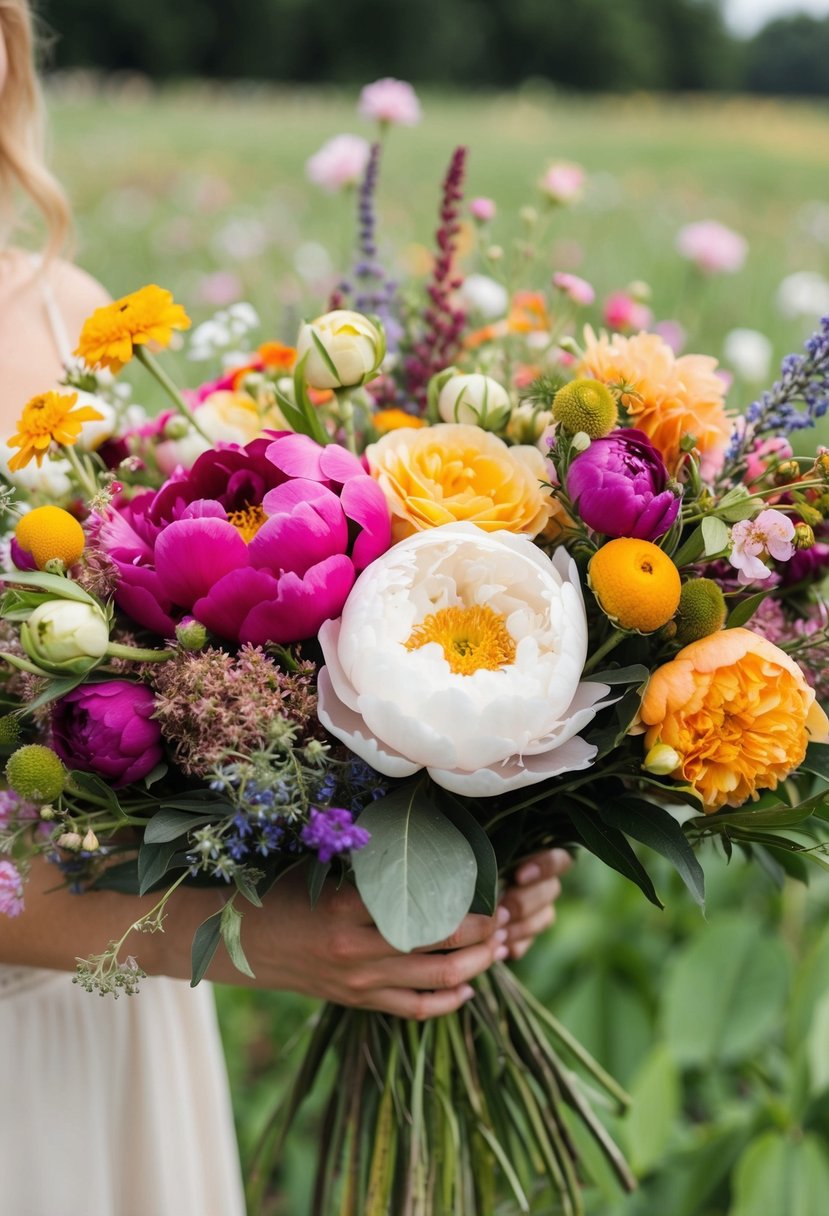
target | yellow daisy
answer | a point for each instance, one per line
(48, 419)
(109, 337)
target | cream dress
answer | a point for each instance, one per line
(112, 1107)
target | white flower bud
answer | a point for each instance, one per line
(476, 400)
(341, 349)
(65, 636)
(662, 760)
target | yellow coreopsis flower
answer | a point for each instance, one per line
(46, 419)
(109, 337)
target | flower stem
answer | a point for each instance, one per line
(607, 645)
(345, 408)
(87, 481)
(138, 655)
(157, 371)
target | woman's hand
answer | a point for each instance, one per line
(335, 953)
(531, 897)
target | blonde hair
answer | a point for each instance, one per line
(22, 135)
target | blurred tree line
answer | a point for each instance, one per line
(591, 45)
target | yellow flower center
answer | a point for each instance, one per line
(472, 638)
(247, 521)
(51, 533)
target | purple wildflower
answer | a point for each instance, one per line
(11, 889)
(333, 831)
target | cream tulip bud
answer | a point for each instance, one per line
(475, 400)
(65, 637)
(341, 349)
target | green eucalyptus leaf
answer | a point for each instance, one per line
(486, 883)
(230, 927)
(745, 610)
(417, 874)
(637, 673)
(715, 535)
(153, 863)
(170, 825)
(692, 550)
(205, 944)
(610, 846)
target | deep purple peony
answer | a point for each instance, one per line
(108, 729)
(620, 487)
(261, 543)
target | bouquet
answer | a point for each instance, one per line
(401, 604)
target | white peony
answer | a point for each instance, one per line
(461, 651)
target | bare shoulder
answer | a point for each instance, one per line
(76, 292)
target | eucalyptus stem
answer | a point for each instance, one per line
(607, 645)
(157, 371)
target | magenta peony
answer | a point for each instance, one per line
(620, 487)
(261, 543)
(108, 729)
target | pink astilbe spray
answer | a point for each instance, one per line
(442, 319)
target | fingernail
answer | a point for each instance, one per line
(501, 953)
(467, 992)
(528, 874)
(500, 935)
(502, 916)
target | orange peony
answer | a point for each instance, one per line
(109, 337)
(452, 473)
(737, 711)
(670, 397)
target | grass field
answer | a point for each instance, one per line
(177, 186)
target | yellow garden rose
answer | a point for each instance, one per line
(738, 713)
(454, 473)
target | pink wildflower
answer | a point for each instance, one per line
(766, 453)
(563, 182)
(770, 534)
(11, 889)
(339, 163)
(482, 209)
(713, 248)
(390, 101)
(624, 314)
(14, 810)
(576, 289)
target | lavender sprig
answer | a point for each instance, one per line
(371, 289)
(804, 381)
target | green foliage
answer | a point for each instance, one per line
(790, 55)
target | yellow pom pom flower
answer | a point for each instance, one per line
(109, 337)
(36, 773)
(50, 533)
(47, 419)
(635, 583)
(586, 405)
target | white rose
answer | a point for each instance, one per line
(65, 636)
(461, 651)
(475, 400)
(341, 349)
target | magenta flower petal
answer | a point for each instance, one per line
(297, 456)
(229, 601)
(191, 554)
(141, 595)
(301, 604)
(108, 729)
(303, 537)
(365, 503)
(340, 465)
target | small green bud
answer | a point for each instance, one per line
(809, 514)
(176, 427)
(9, 730)
(36, 773)
(804, 536)
(586, 405)
(701, 610)
(191, 634)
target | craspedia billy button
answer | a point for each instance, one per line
(702, 610)
(586, 405)
(51, 533)
(635, 583)
(36, 773)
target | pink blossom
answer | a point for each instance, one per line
(713, 248)
(578, 290)
(623, 313)
(563, 182)
(672, 333)
(770, 534)
(14, 809)
(339, 163)
(219, 288)
(11, 889)
(766, 452)
(390, 101)
(482, 209)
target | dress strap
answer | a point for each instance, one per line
(57, 325)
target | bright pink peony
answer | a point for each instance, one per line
(390, 101)
(108, 729)
(261, 543)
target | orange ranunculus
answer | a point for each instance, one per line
(109, 337)
(452, 473)
(393, 419)
(737, 711)
(670, 397)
